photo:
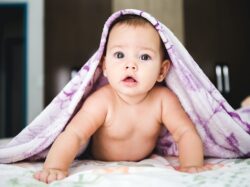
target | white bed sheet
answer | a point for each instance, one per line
(155, 171)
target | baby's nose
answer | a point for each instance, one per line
(131, 66)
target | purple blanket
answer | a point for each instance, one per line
(224, 131)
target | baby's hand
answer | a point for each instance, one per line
(50, 175)
(195, 169)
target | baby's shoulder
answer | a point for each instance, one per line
(98, 98)
(103, 93)
(162, 91)
(164, 94)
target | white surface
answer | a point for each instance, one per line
(155, 171)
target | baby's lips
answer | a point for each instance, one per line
(129, 79)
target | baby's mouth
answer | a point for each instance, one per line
(129, 79)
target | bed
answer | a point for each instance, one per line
(153, 171)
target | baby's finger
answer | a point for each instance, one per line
(51, 177)
(187, 170)
(201, 169)
(183, 169)
(36, 175)
(192, 170)
(60, 176)
(44, 176)
(205, 168)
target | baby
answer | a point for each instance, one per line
(246, 102)
(124, 118)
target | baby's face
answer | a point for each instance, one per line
(133, 58)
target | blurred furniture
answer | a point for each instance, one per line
(217, 36)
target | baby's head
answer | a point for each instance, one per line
(135, 57)
(135, 21)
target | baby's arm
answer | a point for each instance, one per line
(69, 142)
(246, 102)
(184, 133)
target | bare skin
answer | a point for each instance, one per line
(246, 102)
(120, 137)
(125, 117)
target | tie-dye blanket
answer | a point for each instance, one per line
(224, 131)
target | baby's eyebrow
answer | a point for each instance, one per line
(149, 49)
(116, 46)
(140, 47)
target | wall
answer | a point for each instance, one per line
(35, 58)
(169, 12)
(72, 35)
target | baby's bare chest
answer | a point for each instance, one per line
(124, 124)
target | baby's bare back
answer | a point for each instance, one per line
(129, 132)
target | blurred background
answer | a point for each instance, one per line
(42, 42)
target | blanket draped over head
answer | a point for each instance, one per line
(223, 130)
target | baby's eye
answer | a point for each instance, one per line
(119, 55)
(145, 57)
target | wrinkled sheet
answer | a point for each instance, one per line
(154, 171)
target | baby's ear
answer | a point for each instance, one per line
(164, 70)
(103, 62)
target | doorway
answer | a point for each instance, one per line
(13, 65)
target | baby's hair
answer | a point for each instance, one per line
(134, 20)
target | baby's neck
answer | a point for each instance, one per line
(131, 100)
